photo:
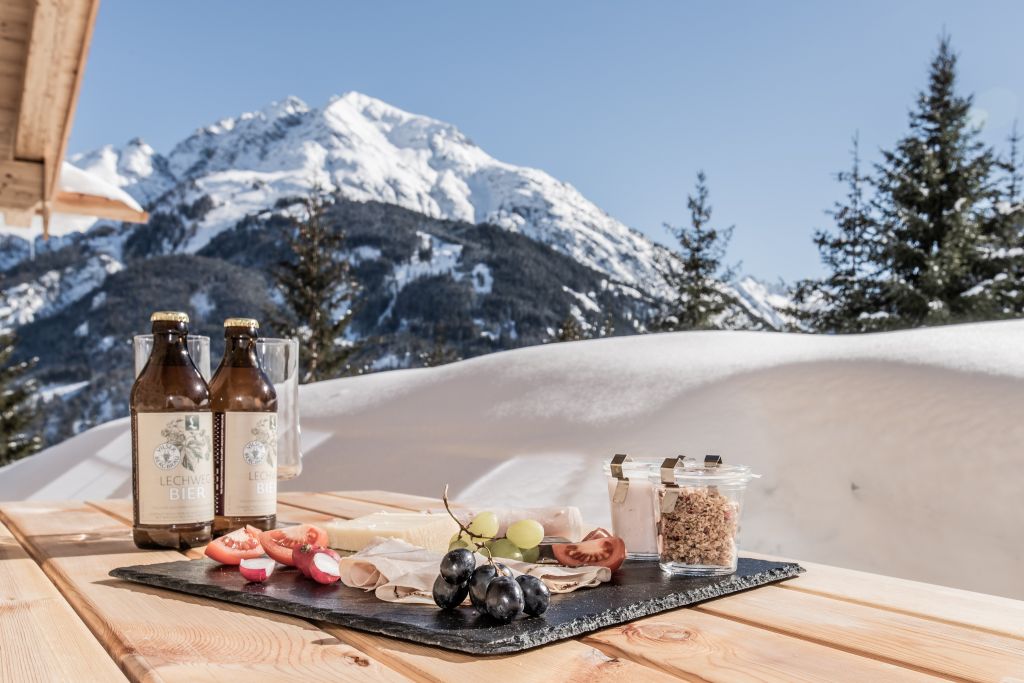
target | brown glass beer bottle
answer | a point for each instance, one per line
(244, 406)
(172, 443)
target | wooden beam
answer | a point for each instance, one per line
(18, 219)
(15, 28)
(69, 115)
(59, 42)
(94, 205)
(21, 185)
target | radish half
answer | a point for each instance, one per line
(324, 568)
(257, 568)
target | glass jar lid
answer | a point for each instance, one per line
(631, 468)
(688, 471)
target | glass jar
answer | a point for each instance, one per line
(631, 498)
(698, 509)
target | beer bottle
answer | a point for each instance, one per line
(172, 443)
(244, 406)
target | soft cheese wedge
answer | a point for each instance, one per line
(433, 532)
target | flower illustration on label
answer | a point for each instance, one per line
(254, 452)
(266, 431)
(190, 441)
(167, 456)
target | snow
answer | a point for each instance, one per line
(50, 392)
(54, 290)
(883, 452)
(482, 279)
(201, 304)
(585, 300)
(74, 179)
(370, 150)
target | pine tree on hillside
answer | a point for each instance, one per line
(696, 273)
(319, 291)
(18, 415)
(570, 329)
(936, 193)
(842, 301)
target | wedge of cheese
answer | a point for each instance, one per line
(433, 532)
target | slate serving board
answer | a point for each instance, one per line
(638, 589)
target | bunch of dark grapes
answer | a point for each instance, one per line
(490, 587)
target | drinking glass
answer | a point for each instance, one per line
(279, 359)
(198, 348)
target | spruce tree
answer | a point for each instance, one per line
(843, 300)
(319, 291)
(936, 190)
(696, 272)
(939, 239)
(18, 415)
(570, 329)
(1000, 292)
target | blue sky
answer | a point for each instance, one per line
(626, 100)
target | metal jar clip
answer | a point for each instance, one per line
(622, 483)
(668, 478)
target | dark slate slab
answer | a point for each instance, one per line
(638, 589)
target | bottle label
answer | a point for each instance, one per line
(249, 474)
(174, 456)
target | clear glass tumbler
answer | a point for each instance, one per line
(198, 348)
(279, 359)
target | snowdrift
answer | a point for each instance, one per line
(897, 453)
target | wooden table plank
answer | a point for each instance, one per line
(987, 612)
(159, 635)
(562, 662)
(695, 645)
(928, 645)
(41, 637)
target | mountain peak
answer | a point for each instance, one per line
(367, 149)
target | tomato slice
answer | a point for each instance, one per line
(279, 543)
(606, 551)
(240, 544)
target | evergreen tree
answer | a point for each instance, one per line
(319, 291)
(18, 415)
(936, 192)
(441, 353)
(935, 242)
(842, 301)
(1001, 291)
(696, 272)
(570, 329)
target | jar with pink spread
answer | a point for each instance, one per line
(631, 496)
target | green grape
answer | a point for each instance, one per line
(484, 525)
(525, 533)
(531, 555)
(506, 548)
(459, 541)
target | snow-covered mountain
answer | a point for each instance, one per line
(367, 149)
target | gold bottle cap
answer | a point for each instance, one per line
(169, 316)
(241, 322)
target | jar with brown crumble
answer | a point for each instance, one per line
(698, 511)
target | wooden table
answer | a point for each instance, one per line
(62, 618)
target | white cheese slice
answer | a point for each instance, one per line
(433, 532)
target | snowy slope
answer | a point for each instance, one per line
(368, 149)
(880, 452)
